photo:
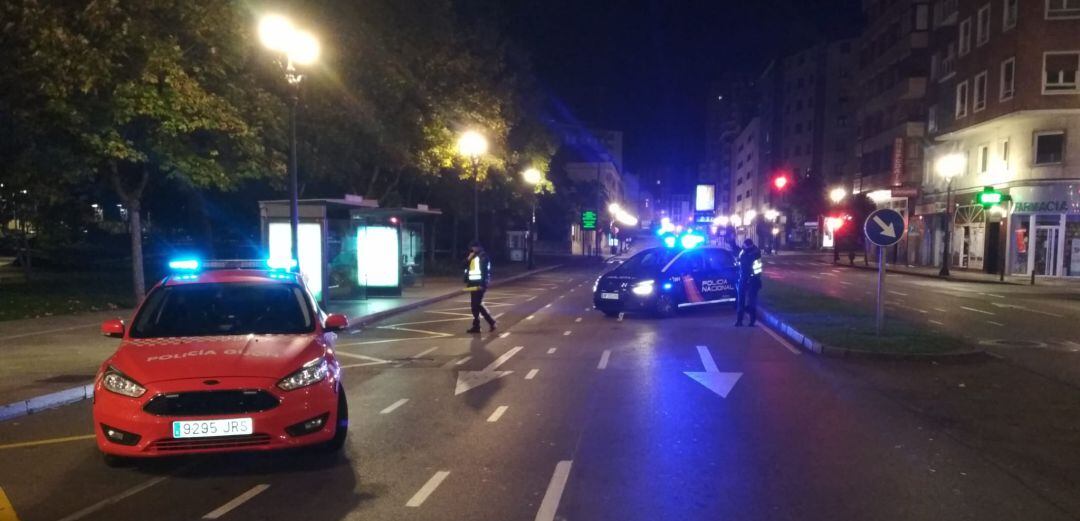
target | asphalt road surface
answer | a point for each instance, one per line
(565, 414)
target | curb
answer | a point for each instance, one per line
(818, 348)
(924, 275)
(46, 401)
(71, 395)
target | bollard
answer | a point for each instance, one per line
(1032, 277)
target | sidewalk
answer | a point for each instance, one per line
(955, 274)
(49, 362)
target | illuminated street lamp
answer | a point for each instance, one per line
(297, 47)
(837, 194)
(948, 166)
(772, 214)
(473, 145)
(532, 177)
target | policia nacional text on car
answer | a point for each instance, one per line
(477, 276)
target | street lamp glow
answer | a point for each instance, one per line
(472, 144)
(950, 166)
(721, 220)
(749, 216)
(837, 194)
(614, 208)
(275, 32)
(532, 176)
(278, 34)
(771, 214)
(736, 220)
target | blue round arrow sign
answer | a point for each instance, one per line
(884, 227)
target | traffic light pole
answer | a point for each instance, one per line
(880, 314)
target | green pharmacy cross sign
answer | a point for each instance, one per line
(990, 197)
(588, 220)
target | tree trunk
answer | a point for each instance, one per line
(138, 278)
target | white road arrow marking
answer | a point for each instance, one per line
(716, 381)
(469, 380)
(886, 228)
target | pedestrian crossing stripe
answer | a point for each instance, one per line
(7, 512)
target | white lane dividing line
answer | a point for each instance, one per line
(941, 310)
(504, 334)
(550, 504)
(578, 319)
(994, 295)
(994, 323)
(844, 282)
(552, 350)
(426, 490)
(424, 352)
(935, 322)
(48, 331)
(548, 306)
(977, 310)
(898, 293)
(393, 407)
(530, 317)
(463, 360)
(604, 359)
(237, 501)
(780, 340)
(499, 411)
(114, 499)
(923, 311)
(531, 374)
(567, 332)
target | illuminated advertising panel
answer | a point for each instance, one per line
(705, 198)
(378, 256)
(310, 251)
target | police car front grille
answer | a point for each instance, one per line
(217, 442)
(611, 285)
(209, 403)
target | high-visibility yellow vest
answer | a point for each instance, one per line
(475, 275)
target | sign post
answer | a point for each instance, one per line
(883, 228)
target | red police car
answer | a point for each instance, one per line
(222, 356)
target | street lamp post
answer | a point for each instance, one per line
(532, 177)
(948, 166)
(473, 146)
(298, 47)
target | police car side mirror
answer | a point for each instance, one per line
(336, 322)
(113, 328)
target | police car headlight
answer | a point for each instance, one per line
(311, 373)
(644, 288)
(115, 381)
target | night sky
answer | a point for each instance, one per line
(645, 66)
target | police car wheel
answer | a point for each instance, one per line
(341, 427)
(664, 306)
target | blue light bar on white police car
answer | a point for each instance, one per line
(184, 265)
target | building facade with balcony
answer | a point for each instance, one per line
(1005, 96)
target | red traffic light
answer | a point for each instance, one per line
(780, 182)
(834, 223)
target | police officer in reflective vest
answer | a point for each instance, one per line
(477, 276)
(750, 267)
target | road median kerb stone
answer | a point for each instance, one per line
(809, 344)
(84, 392)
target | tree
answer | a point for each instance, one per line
(130, 92)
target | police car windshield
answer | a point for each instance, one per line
(224, 309)
(649, 260)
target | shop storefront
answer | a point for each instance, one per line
(1044, 230)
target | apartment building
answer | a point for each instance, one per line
(730, 107)
(1005, 96)
(894, 68)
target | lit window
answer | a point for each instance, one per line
(982, 28)
(1005, 152)
(980, 92)
(965, 36)
(1059, 71)
(1063, 8)
(961, 99)
(1049, 147)
(1008, 78)
(983, 159)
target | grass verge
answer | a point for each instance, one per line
(844, 324)
(51, 293)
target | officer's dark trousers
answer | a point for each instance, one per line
(479, 309)
(747, 300)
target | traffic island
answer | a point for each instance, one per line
(834, 327)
